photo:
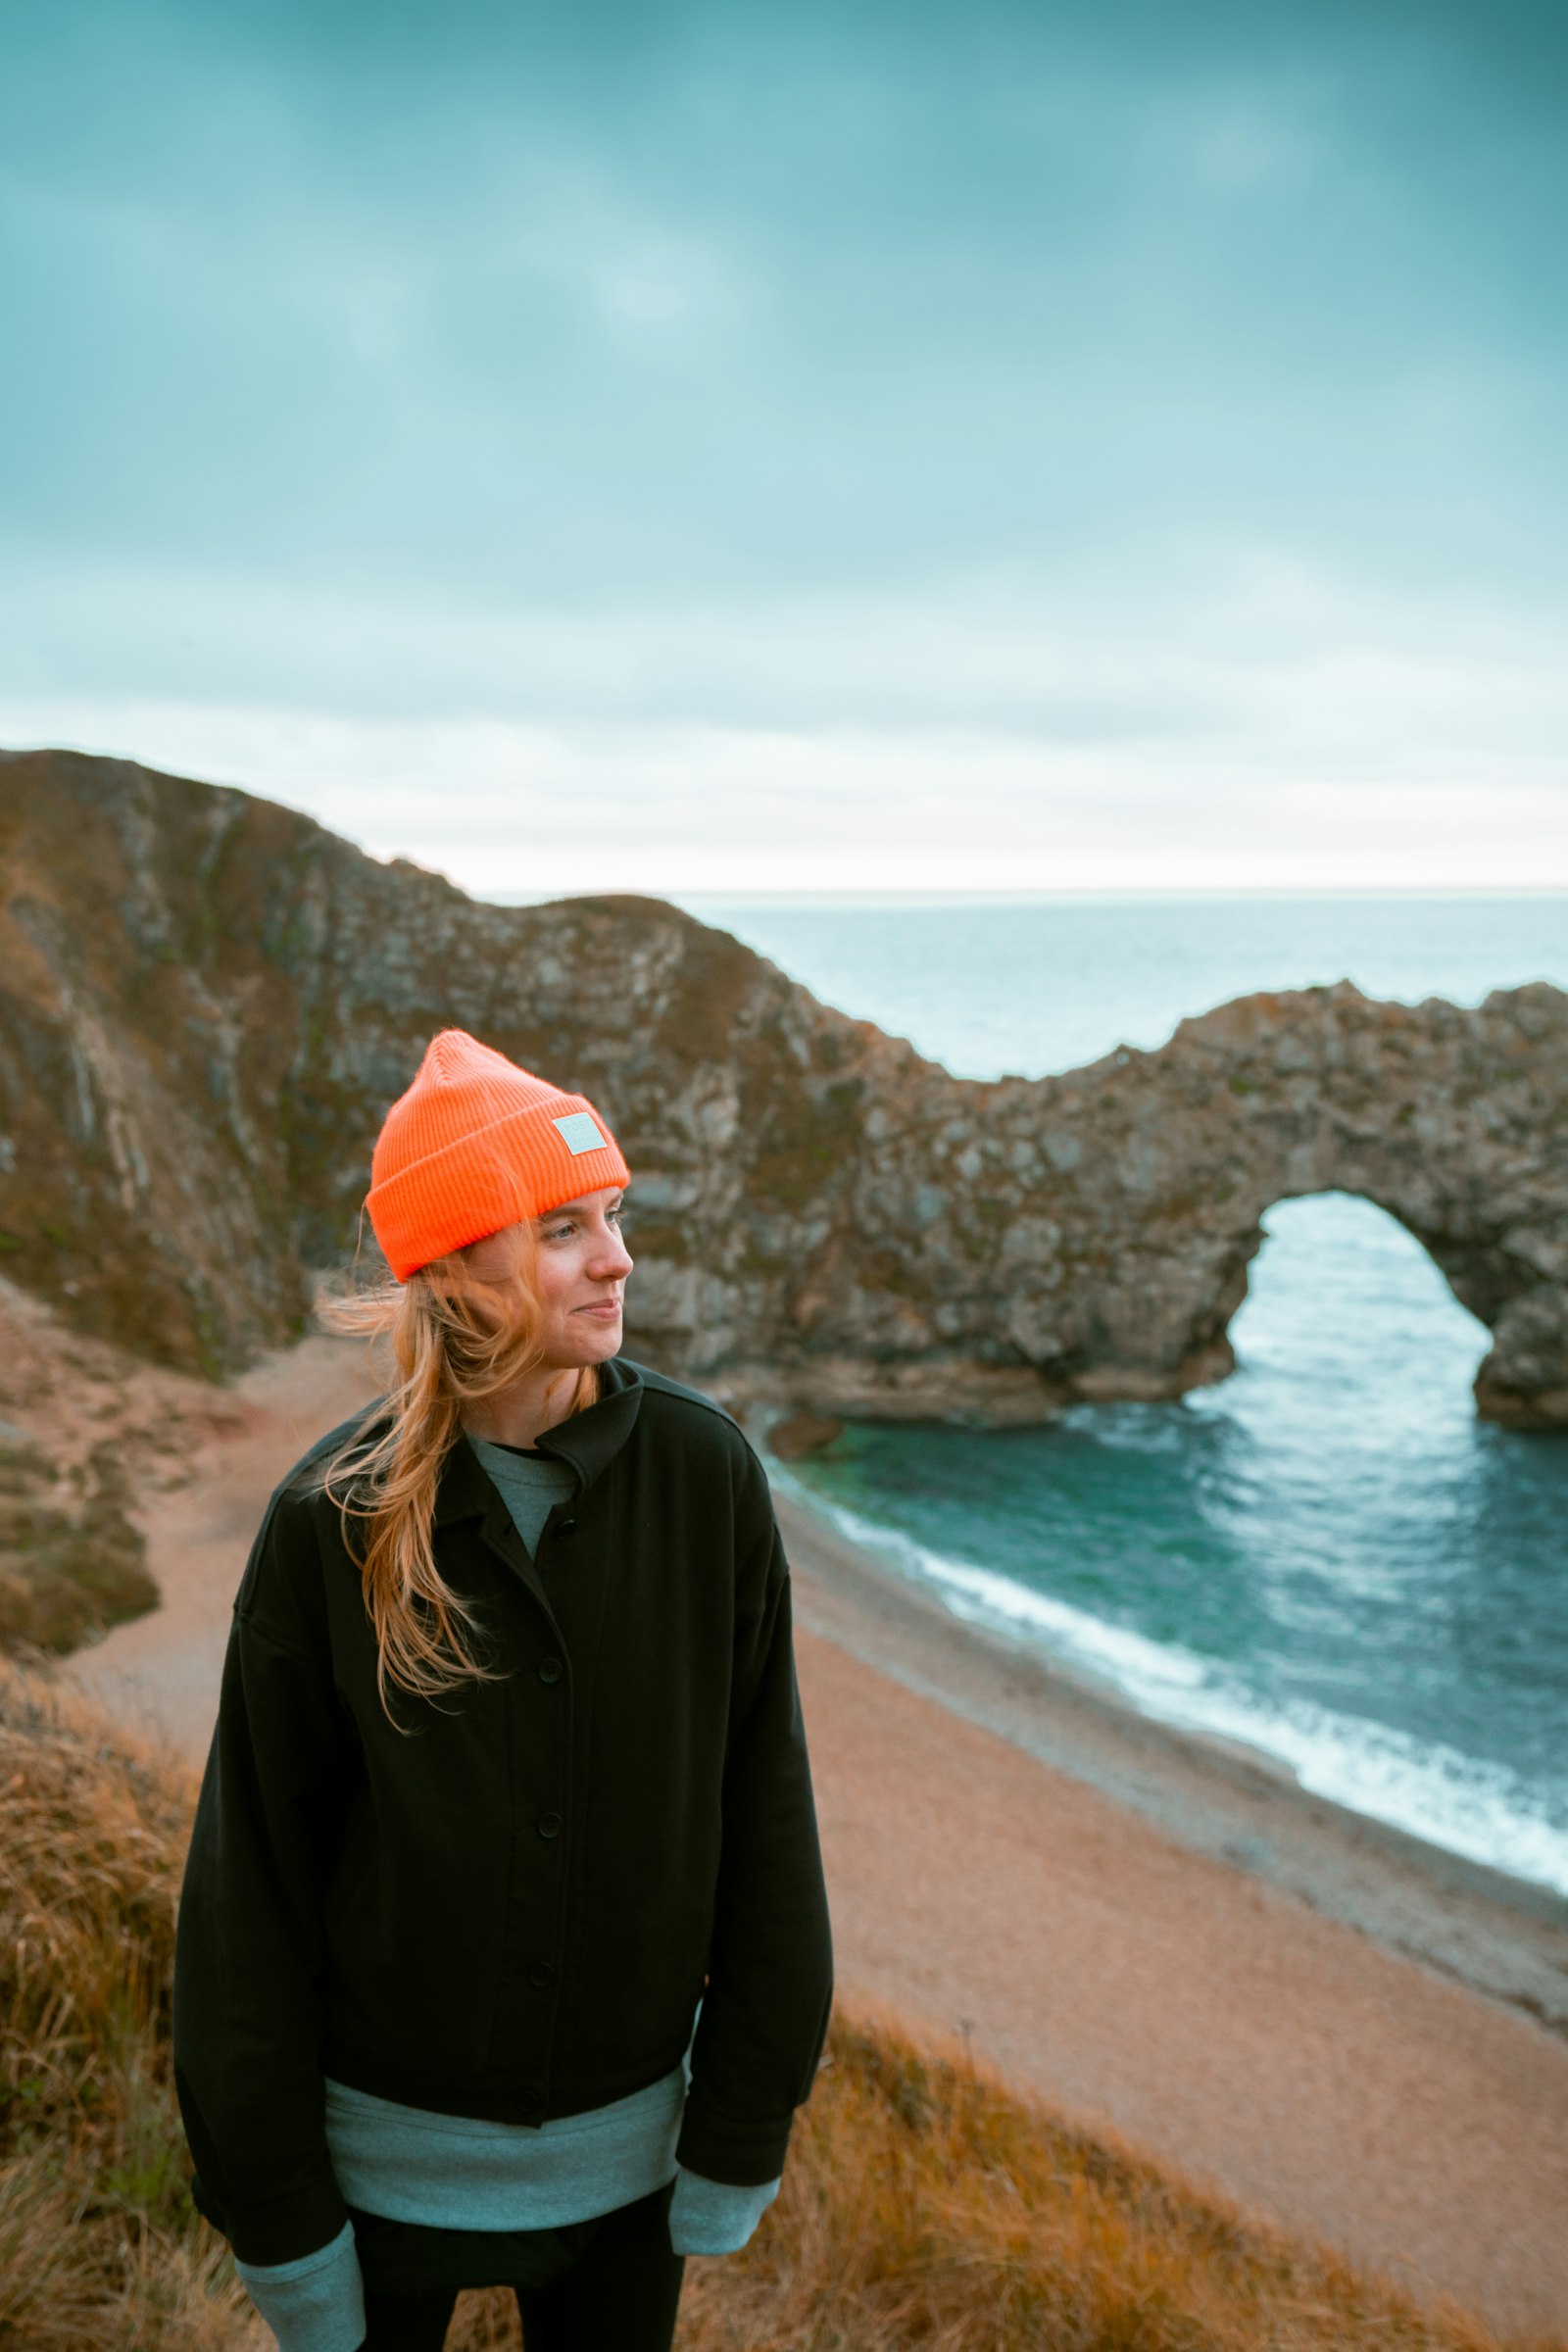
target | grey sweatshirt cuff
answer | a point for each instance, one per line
(315, 2303)
(710, 2217)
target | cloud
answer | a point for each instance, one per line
(1279, 731)
(511, 812)
(1251, 650)
(1006, 441)
(758, 301)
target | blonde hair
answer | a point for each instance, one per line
(453, 1343)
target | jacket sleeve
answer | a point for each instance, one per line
(764, 2012)
(250, 1961)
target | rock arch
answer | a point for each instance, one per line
(1128, 1196)
(207, 1001)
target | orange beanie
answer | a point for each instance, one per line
(476, 1144)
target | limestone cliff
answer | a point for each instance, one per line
(207, 1001)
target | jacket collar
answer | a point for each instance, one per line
(587, 1443)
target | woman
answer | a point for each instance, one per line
(504, 1953)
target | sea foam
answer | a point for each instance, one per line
(1467, 1805)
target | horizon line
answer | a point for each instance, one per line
(844, 900)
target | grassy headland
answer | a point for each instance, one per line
(924, 2204)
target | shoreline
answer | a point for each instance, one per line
(1500, 1935)
(1153, 1931)
(1156, 1932)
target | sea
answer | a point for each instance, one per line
(1326, 1555)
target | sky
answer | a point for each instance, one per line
(803, 447)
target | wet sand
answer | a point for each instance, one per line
(1340, 2026)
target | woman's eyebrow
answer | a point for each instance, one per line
(573, 1208)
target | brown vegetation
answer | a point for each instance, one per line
(71, 1563)
(89, 1439)
(99, 2244)
(924, 2205)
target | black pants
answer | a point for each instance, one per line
(606, 2285)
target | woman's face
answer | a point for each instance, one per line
(580, 1269)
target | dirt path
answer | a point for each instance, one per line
(1312, 2072)
(161, 1672)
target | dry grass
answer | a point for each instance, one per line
(924, 2205)
(72, 1563)
(99, 2244)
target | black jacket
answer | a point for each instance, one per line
(511, 1908)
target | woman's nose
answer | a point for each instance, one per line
(612, 1258)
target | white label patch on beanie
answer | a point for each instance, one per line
(579, 1132)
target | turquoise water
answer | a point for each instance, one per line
(1327, 1554)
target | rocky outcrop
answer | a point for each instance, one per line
(207, 1003)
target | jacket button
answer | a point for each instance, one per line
(565, 1527)
(541, 1976)
(548, 1824)
(550, 1670)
